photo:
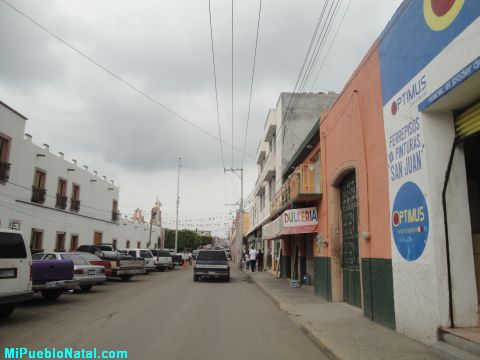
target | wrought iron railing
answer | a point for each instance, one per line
(38, 195)
(4, 171)
(61, 202)
(74, 205)
(115, 216)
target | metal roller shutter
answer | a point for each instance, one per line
(468, 122)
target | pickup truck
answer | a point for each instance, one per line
(15, 261)
(52, 277)
(124, 266)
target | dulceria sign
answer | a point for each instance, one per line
(300, 217)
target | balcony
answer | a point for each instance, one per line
(38, 195)
(4, 171)
(74, 205)
(115, 216)
(61, 202)
(301, 186)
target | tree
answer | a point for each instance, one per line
(187, 239)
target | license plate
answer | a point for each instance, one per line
(8, 273)
(51, 284)
(211, 273)
(91, 272)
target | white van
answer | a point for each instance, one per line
(144, 254)
(15, 263)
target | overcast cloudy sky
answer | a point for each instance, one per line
(163, 48)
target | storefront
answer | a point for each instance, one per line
(293, 233)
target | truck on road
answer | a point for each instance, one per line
(124, 266)
(51, 277)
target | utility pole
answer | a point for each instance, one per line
(152, 214)
(178, 202)
(239, 173)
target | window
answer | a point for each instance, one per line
(272, 189)
(4, 153)
(132, 253)
(61, 202)
(114, 243)
(75, 198)
(97, 237)
(38, 256)
(115, 214)
(36, 241)
(73, 242)
(138, 245)
(128, 244)
(262, 201)
(12, 246)
(38, 188)
(50, 257)
(60, 242)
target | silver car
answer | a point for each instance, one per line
(86, 274)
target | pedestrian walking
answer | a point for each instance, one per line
(260, 260)
(253, 258)
(247, 260)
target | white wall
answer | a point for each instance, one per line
(96, 197)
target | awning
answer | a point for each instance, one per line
(292, 221)
(468, 122)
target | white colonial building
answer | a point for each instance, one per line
(56, 203)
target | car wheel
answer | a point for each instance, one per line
(85, 288)
(6, 310)
(125, 277)
(195, 277)
(51, 295)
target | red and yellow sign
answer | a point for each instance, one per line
(439, 14)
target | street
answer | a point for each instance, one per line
(163, 316)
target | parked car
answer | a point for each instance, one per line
(95, 260)
(15, 262)
(123, 265)
(211, 263)
(162, 259)
(51, 276)
(144, 254)
(177, 259)
(86, 273)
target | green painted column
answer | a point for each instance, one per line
(378, 304)
(323, 277)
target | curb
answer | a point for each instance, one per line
(279, 303)
(324, 346)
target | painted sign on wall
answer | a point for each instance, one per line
(300, 217)
(410, 222)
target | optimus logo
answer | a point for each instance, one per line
(409, 95)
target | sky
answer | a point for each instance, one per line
(163, 49)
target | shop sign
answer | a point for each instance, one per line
(300, 217)
(410, 221)
(272, 229)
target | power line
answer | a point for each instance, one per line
(331, 44)
(125, 82)
(232, 84)
(215, 79)
(251, 83)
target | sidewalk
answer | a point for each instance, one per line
(340, 330)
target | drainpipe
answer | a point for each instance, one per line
(447, 240)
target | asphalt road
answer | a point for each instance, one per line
(163, 316)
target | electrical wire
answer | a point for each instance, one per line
(119, 78)
(251, 83)
(215, 80)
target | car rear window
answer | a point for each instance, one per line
(77, 259)
(145, 254)
(211, 255)
(12, 246)
(89, 256)
(162, 253)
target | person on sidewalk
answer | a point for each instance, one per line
(253, 258)
(260, 260)
(247, 260)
